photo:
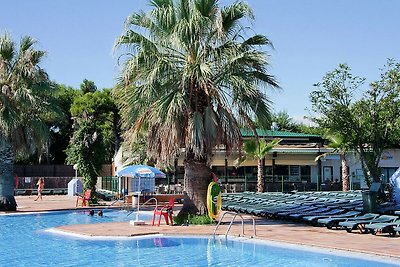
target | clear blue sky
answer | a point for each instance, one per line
(311, 37)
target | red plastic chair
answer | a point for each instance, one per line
(84, 198)
(166, 211)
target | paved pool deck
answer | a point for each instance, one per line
(272, 230)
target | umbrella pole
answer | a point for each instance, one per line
(137, 222)
(138, 200)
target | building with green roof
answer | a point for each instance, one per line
(292, 160)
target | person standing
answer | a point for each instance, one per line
(40, 185)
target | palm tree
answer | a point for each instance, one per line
(338, 145)
(192, 76)
(25, 107)
(258, 150)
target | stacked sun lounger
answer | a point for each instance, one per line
(360, 224)
(334, 210)
(291, 206)
(339, 210)
(333, 221)
(390, 227)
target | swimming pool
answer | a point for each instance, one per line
(24, 242)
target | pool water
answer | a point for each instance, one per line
(24, 241)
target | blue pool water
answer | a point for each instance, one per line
(24, 241)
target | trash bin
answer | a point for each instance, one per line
(135, 200)
(369, 201)
(74, 187)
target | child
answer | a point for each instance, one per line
(40, 185)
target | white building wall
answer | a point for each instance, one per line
(333, 163)
(390, 159)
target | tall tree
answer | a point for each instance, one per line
(192, 76)
(96, 134)
(367, 121)
(88, 86)
(101, 107)
(26, 103)
(339, 146)
(63, 128)
(285, 122)
(86, 151)
(258, 150)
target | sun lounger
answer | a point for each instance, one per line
(335, 202)
(334, 221)
(375, 228)
(299, 215)
(47, 191)
(301, 208)
(59, 191)
(313, 219)
(20, 192)
(271, 211)
(353, 204)
(351, 225)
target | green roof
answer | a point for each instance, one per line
(270, 133)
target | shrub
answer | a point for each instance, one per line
(192, 219)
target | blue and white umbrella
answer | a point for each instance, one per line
(141, 171)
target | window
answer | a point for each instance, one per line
(294, 173)
(305, 173)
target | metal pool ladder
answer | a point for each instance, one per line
(153, 198)
(235, 214)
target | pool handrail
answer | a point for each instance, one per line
(230, 224)
(115, 201)
(153, 198)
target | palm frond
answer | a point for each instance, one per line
(27, 101)
(196, 128)
(7, 50)
(231, 15)
(26, 43)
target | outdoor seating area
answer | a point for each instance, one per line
(169, 189)
(335, 210)
(232, 188)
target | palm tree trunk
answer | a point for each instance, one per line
(7, 200)
(260, 184)
(196, 180)
(345, 174)
(364, 165)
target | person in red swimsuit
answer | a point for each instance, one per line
(40, 185)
